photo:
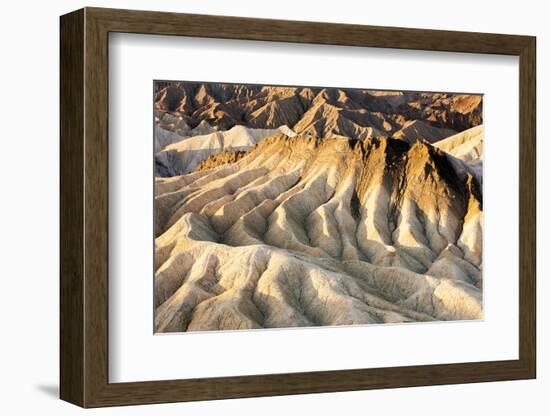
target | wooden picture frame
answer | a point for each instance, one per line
(84, 207)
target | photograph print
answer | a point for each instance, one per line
(295, 206)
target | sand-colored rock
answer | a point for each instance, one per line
(305, 231)
(419, 130)
(219, 159)
(466, 151)
(185, 155)
(466, 146)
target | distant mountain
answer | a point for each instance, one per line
(186, 154)
(171, 129)
(320, 112)
(454, 111)
(465, 149)
(466, 146)
(419, 130)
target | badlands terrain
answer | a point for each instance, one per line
(284, 207)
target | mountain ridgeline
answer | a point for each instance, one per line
(319, 112)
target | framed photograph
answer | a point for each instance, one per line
(257, 207)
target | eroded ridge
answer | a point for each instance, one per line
(302, 231)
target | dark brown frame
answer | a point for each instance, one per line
(84, 209)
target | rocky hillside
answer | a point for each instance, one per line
(309, 230)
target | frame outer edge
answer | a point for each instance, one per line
(96, 209)
(303, 31)
(87, 193)
(528, 208)
(71, 336)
